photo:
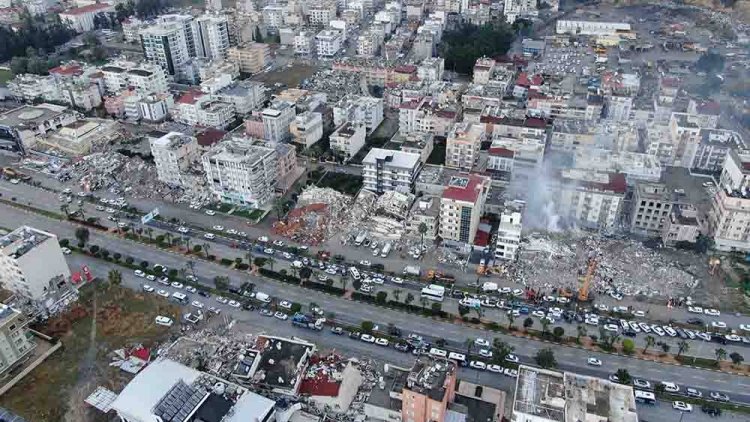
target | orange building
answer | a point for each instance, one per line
(430, 386)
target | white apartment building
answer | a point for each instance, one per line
(591, 28)
(461, 207)
(714, 147)
(155, 108)
(211, 34)
(369, 43)
(431, 69)
(685, 133)
(130, 28)
(729, 218)
(15, 341)
(588, 198)
(483, 70)
(307, 128)
(682, 225)
(28, 87)
(173, 154)
(36, 7)
(328, 42)
(304, 43)
(276, 120)
(166, 44)
(359, 109)
(321, 12)
(348, 139)
(463, 144)
(426, 115)
(240, 172)
(195, 108)
(244, 96)
(81, 19)
(386, 170)
(508, 236)
(145, 78)
(273, 18)
(251, 58)
(33, 267)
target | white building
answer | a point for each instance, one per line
(348, 139)
(714, 147)
(386, 170)
(508, 236)
(463, 144)
(244, 96)
(321, 12)
(273, 18)
(81, 19)
(359, 109)
(276, 120)
(369, 43)
(211, 36)
(307, 128)
(328, 42)
(588, 198)
(36, 7)
(173, 154)
(431, 69)
(196, 108)
(33, 267)
(729, 218)
(130, 28)
(166, 44)
(304, 43)
(461, 207)
(240, 172)
(591, 28)
(145, 78)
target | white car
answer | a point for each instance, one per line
(364, 263)
(478, 364)
(511, 358)
(218, 228)
(222, 299)
(594, 362)
(183, 229)
(695, 309)
(682, 406)
(745, 327)
(285, 304)
(538, 314)
(162, 293)
(191, 289)
(110, 210)
(611, 327)
(210, 212)
(485, 353)
(197, 304)
(176, 285)
(297, 264)
(151, 277)
(482, 342)
(670, 387)
(280, 315)
(263, 239)
(139, 273)
(367, 338)
(162, 320)
(658, 330)
(718, 324)
(209, 236)
(397, 280)
(641, 383)
(234, 304)
(712, 312)
(66, 251)
(602, 307)
(148, 289)
(639, 314)
(509, 372)
(381, 342)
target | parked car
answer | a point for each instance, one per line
(682, 406)
(476, 364)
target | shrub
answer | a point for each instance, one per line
(129, 260)
(628, 346)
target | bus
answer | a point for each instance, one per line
(434, 292)
(459, 358)
(645, 397)
(179, 298)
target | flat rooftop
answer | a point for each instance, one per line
(281, 361)
(22, 240)
(428, 376)
(238, 150)
(173, 140)
(392, 158)
(31, 115)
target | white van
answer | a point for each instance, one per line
(263, 297)
(354, 272)
(438, 353)
(179, 297)
(164, 321)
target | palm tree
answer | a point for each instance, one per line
(150, 233)
(114, 277)
(80, 211)
(206, 247)
(344, 282)
(64, 209)
(168, 235)
(650, 341)
(720, 354)
(249, 258)
(187, 242)
(279, 208)
(682, 347)
(270, 261)
(397, 294)
(511, 318)
(422, 229)
(545, 324)
(580, 332)
(409, 298)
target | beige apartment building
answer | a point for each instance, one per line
(463, 144)
(251, 58)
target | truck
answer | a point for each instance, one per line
(412, 270)
(386, 249)
(437, 276)
(308, 321)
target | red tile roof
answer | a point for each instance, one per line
(501, 152)
(470, 193)
(92, 8)
(535, 122)
(407, 68)
(617, 183)
(69, 70)
(210, 136)
(482, 238)
(709, 107)
(190, 97)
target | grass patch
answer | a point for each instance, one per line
(699, 362)
(5, 76)
(343, 182)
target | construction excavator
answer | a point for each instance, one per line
(583, 291)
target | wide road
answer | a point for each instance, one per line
(570, 358)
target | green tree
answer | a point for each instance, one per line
(736, 358)
(259, 262)
(628, 346)
(580, 332)
(409, 298)
(623, 376)
(463, 46)
(682, 347)
(82, 234)
(558, 333)
(367, 326)
(436, 308)
(545, 324)
(650, 341)
(18, 65)
(305, 273)
(720, 354)
(221, 282)
(545, 358)
(500, 350)
(381, 297)
(664, 347)
(422, 229)
(279, 208)
(65, 209)
(528, 323)
(114, 277)
(397, 294)
(511, 319)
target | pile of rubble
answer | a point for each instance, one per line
(317, 216)
(623, 266)
(336, 84)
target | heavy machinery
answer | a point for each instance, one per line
(583, 291)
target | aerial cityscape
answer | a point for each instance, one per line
(374, 210)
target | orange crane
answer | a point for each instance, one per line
(583, 291)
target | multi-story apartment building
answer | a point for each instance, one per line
(211, 33)
(588, 198)
(359, 109)
(652, 204)
(244, 96)
(682, 225)
(321, 12)
(729, 218)
(591, 27)
(273, 18)
(713, 148)
(169, 45)
(461, 207)
(426, 115)
(463, 144)
(387, 170)
(144, 78)
(307, 128)
(430, 387)
(15, 340)
(81, 19)
(328, 42)
(130, 28)
(566, 107)
(369, 43)
(33, 267)
(276, 120)
(241, 172)
(431, 69)
(304, 43)
(348, 139)
(173, 154)
(251, 58)
(508, 236)
(483, 69)
(196, 108)
(684, 131)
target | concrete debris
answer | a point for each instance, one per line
(317, 217)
